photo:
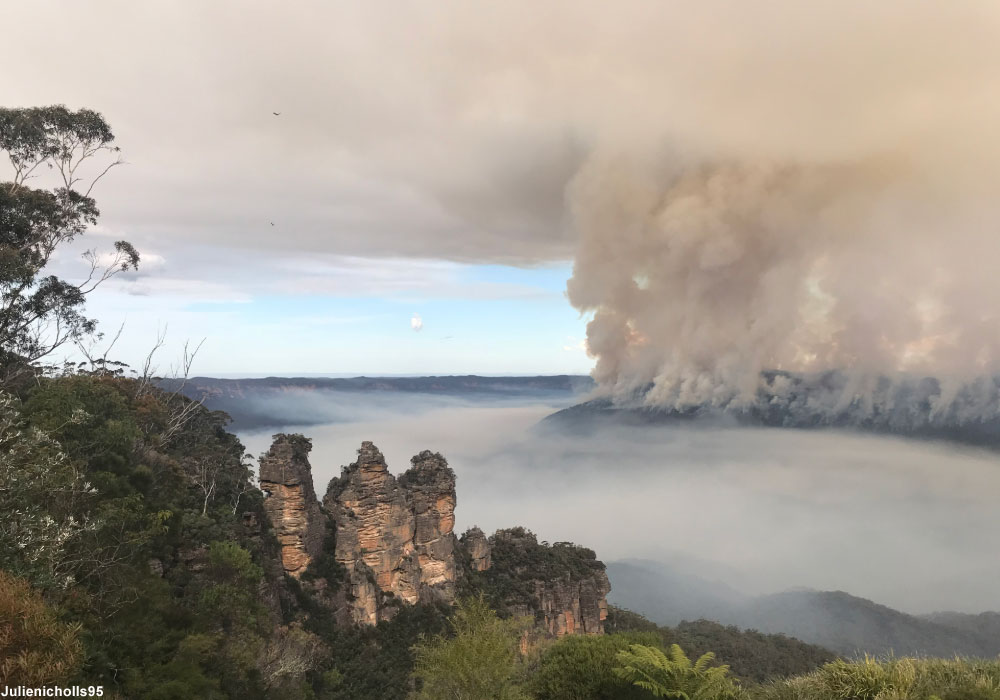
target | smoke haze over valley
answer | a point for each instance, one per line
(904, 523)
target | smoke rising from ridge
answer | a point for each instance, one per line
(829, 213)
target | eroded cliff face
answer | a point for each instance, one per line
(477, 546)
(394, 536)
(290, 503)
(570, 607)
(394, 539)
(562, 586)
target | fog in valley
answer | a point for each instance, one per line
(909, 524)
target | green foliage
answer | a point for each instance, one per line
(38, 314)
(326, 566)
(751, 655)
(517, 549)
(675, 676)
(231, 564)
(93, 421)
(230, 600)
(480, 660)
(37, 134)
(160, 566)
(36, 649)
(892, 679)
(579, 667)
(370, 663)
(40, 488)
(519, 560)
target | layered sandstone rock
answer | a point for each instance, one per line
(563, 586)
(394, 537)
(477, 546)
(430, 486)
(291, 503)
(571, 607)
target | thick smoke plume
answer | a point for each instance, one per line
(860, 235)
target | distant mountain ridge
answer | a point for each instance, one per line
(852, 625)
(264, 402)
(987, 623)
(470, 383)
(835, 620)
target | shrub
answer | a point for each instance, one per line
(891, 679)
(583, 667)
(675, 676)
(36, 649)
(479, 661)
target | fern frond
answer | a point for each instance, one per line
(704, 662)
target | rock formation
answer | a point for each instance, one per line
(563, 586)
(394, 537)
(478, 548)
(571, 607)
(290, 503)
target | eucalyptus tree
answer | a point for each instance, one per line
(71, 151)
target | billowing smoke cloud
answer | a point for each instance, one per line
(828, 214)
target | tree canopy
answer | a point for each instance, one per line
(39, 313)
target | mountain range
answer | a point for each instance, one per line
(835, 620)
(277, 402)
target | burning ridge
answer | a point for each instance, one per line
(915, 407)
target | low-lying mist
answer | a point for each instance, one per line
(909, 524)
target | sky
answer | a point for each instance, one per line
(413, 187)
(298, 243)
(352, 316)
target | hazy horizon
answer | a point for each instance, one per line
(353, 375)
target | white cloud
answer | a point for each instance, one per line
(149, 263)
(416, 323)
(185, 290)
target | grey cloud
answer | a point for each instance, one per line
(452, 130)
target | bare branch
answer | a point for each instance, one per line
(145, 379)
(119, 161)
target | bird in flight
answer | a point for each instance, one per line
(276, 113)
(272, 223)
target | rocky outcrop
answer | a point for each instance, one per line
(570, 607)
(394, 537)
(430, 485)
(563, 586)
(290, 501)
(392, 543)
(477, 546)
